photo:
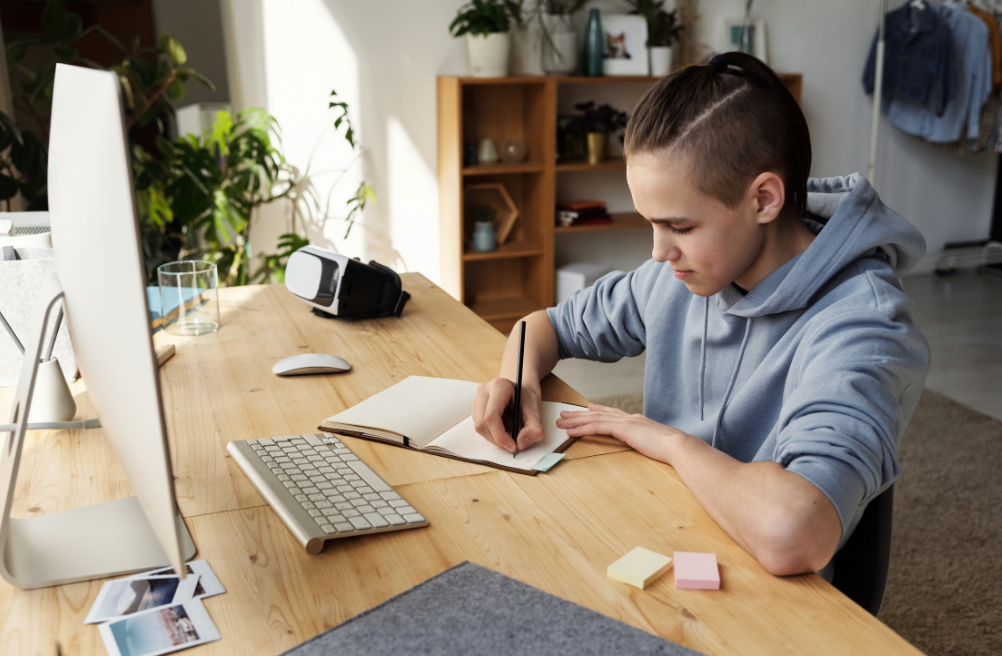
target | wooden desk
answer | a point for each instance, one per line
(556, 531)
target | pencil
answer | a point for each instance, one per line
(518, 387)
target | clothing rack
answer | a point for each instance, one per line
(986, 252)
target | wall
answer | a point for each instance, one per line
(383, 56)
(198, 25)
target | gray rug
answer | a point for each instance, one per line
(944, 590)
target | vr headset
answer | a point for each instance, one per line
(338, 286)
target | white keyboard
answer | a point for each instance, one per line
(321, 490)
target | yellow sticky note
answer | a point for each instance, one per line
(639, 567)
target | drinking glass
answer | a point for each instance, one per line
(189, 297)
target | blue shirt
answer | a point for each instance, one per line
(918, 58)
(973, 84)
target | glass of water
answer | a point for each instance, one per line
(189, 297)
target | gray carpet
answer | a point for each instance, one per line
(944, 590)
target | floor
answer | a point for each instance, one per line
(961, 316)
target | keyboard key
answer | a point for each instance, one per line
(309, 489)
(343, 505)
(308, 504)
(351, 495)
(352, 478)
(371, 496)
(326, 470)
(283, 477)
(301, 498)
(365, 510)
(380, 504)
(344, 527)
(414, 518)
(386, 511)
(394, 520)
(359, 522)
(313, 439)
(376, 520)
(334, 498)
(370, 476)
(299, 477)
(345, 488)
(314, 512)
(332, 512)
(359, 502)
(349, 457)
(398, 503)
(327, 528)
(324, 504)
(289, 484)
(315, 497)
(389, 496)
(351, 513)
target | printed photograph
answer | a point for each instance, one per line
(154, 632)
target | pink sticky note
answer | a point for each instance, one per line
(696, 571)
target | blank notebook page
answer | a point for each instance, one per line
(418, 407)
(463, 440)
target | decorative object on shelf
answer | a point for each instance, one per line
(593, 126)
(548, 39)
(625, 45)
(575, 277)
(483, 231)
(492, 195)
(594, 46)
(560, 52)
(512, 151)
(663, 30)
(582, 213)
(487, 153)
(471, 155)
(745, 35)
(487, 26)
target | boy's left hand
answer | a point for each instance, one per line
(636, 431)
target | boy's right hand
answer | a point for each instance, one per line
(492, 412)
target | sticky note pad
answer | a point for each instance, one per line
(548, 462)
(696, 571)
(639, 567)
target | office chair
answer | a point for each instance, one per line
(861, 565)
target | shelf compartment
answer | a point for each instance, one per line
(495, 169)
(620, 221)
(583, 165)
(511, 249)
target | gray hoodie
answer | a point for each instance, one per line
(818, 368)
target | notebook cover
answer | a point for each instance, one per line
(469, 609)
(372, 438)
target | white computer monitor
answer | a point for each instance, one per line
(99, 271)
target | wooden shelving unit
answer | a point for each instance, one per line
(518, 277)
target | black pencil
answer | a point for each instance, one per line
(518, 387)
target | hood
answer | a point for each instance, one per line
(853, 223)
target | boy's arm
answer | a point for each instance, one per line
(857, 385)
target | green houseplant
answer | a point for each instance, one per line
(594, 125)
(663, 30)
(487, 26)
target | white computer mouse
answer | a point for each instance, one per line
(310, 363)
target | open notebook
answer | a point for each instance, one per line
(434, 415)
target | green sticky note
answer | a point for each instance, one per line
(547, 463)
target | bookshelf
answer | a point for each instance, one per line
(518, 277)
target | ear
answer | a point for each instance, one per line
(768, 195)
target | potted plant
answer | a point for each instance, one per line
(549, 22)
(487, 26)
(663, 29)
(595, 124)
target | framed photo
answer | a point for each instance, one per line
(730, 37)
(625, 51)
(128, 596)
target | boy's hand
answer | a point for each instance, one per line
(636, 431)
(492, 414)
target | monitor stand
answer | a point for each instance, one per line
(79, 544)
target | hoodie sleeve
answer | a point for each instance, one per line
(859, 380)
(605, 322)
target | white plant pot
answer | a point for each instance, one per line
(562, 59)
(489, 54)
(660, 60)
(526, 53)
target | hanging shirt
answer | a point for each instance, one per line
(962, 116)
(918, 58)
(994, 42)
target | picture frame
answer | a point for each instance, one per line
(625, 45)
(729, 37)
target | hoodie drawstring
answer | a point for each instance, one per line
(730, 385)
(702, 353)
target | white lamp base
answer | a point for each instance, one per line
(51, 398)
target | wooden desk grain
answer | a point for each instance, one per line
(557, 531)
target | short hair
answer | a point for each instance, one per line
(730, 120)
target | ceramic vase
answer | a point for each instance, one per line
(660, 60)
(597, 142)
(488, 54)
(562, 58)
(594, 47)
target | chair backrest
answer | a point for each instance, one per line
(861, 564)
